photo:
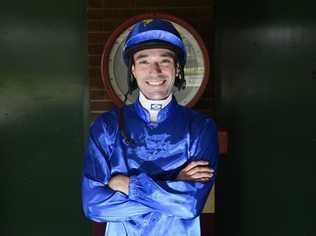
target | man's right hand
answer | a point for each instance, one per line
(196, 171)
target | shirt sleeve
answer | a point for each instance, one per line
(100, 203)
(183, 199)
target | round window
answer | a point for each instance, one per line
(114, 71)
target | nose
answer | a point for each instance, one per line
(155, 68)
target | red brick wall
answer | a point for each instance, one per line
(105, 15)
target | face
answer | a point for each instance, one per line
(155, 72)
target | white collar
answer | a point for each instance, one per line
(153, 106)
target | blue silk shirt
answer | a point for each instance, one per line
(157, 204)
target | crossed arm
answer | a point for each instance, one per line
(123, 198)
(194, 171)
(119, 198)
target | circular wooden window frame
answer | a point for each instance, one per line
(131, 21)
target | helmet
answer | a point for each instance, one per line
(154, 33)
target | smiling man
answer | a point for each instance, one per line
(149, 166)
(155, 72)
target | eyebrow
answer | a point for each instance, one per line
(165, 54)
(140, 56)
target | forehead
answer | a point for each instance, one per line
(154, 52)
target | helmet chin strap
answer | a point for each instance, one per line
(131, 81)
(121, 121)
(180, 82)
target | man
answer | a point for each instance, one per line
(149, 166)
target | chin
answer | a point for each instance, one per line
(157, 96)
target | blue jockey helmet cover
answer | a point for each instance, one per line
(154, 33)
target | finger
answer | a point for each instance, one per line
(193, 164)
(203, 180)
(201, 175)
(200, 180)
(199, 169)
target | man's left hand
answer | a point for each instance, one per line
(119, 183)
(196, 171)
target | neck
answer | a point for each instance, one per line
(153, 106)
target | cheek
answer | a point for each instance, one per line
(172, 75)
(139, 75)
(169, 71)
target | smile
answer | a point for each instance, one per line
(155, 83)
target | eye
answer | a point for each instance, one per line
(143, 62)
(166, 61)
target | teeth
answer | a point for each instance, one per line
(155, 83)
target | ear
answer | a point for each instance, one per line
(133, 70)
(177, 69)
